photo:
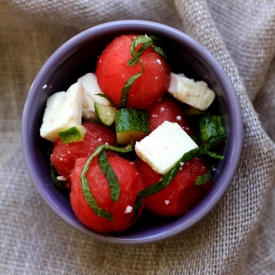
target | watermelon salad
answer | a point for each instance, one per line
(132, 135)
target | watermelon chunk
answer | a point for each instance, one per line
(130, 182)
(167, 109)
(181, 194)
(64, 155)
(113, 72)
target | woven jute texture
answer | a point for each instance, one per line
(237, 237)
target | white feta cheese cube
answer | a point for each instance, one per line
(63, 111)
(186, 90)
(53, 103)
(163, 147)
(91, 88)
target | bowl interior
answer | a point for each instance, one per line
(77, 57)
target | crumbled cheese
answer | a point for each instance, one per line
(158, 61)
(154, 115)
(128, 209)
(69, 152)
(60, 178)
(100, 139)
(167, 202)
(45, 86)
(178, 117)
(61, 159)
(162, 109)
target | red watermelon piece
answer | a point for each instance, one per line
(167, 109)
(113, 72)
(130, 181)
(181, 194)
(64, 155)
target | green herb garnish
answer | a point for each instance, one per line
(203, 179)
(146, 41)
(110, 175)
(85, 186)
(127, 87)
(169, 176)
(214, 155)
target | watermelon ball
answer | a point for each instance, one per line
(168, 109)
(182, 192)
(64, 155)
(130, 182)
(113, 72)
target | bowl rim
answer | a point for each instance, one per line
(234, 109)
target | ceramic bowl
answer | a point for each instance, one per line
(78, 56)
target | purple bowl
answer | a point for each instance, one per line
(77, 57)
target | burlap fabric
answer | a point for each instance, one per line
(237, 237)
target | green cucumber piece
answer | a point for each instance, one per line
(209, 126)
(105, 114)
(131, 124)
(73, 134)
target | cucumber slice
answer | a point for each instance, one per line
(105, 114)
(73, 134)
(131, 124)
(209, 126)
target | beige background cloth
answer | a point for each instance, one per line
(237, 237)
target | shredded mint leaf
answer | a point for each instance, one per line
(214, 155)
(203, 179)
(159, 50)
(92, 202)
(110, 175)
(139, 40)
(169, 176)
(147, 41)
(126, 89)
(85, 186)
(136, 56)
